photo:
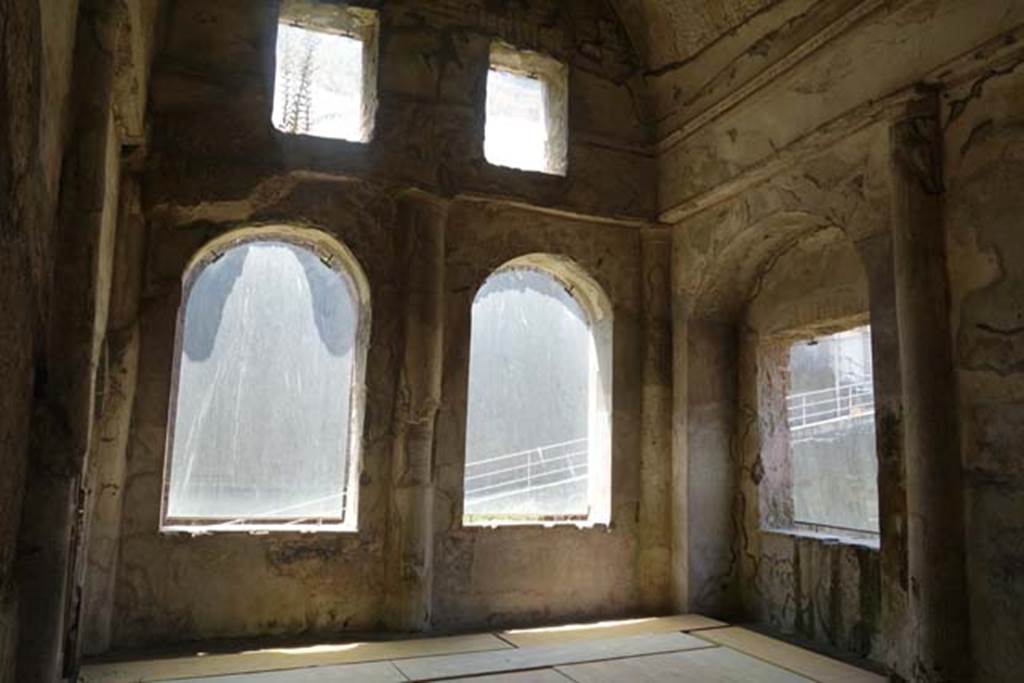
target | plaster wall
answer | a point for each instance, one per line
(802, 253)
(37, 45)
(216, 164)
(179, 587)
(742, 151)
(213, 85)
(521, 575)
(781, 142)
(820, 587)
(888, 47)
(984, 151)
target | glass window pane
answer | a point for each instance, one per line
(529, 397)
(261, 420)
(318, 88)
(831, 413)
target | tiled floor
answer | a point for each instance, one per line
(685, 648)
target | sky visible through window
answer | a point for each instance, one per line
(318, 88)
(516, 133)
(529, 383)
(262, 413)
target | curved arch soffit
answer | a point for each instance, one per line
(580, 285)
(734, 269)
(331, 251)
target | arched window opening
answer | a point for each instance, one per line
(266, 405)
(538, 417)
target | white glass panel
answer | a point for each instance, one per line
(529, 379)
(261, 422)
(318, 88)
(516, 132)
(831, 413)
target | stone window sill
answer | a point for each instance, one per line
(257, 530)
(827, 538)
(483, 526)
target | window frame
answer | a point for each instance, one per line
(599, 312)
(358, 23)
(554, 78)
(336, 256)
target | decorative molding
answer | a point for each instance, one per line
(603, 141)
(917, 150)
(887, 108)
(999, 56)
(771, 73)
(976, 64)
(495, 200)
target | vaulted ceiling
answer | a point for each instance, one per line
(667, 32)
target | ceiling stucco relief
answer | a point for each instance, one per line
(666, 32)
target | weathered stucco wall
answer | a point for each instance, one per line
(213, 87)
(37, 42)
(743, 166)
(824, 588)
(179, 587)
(804, 251)
(791, 151)
(528, 575)
(985, 205)
(890, 46)
(215, 164)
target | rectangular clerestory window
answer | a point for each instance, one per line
(830, 412)
(527, 111)
(325, 83)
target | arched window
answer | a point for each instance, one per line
(265, 418)
(538, 422)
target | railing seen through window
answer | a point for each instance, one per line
(538, 404)
(830, 410)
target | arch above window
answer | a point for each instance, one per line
(539, 401)
(266, 402)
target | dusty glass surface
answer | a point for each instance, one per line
(516, 132)
(261, 420)
(831, 414)
(318, 87)
(529, 383)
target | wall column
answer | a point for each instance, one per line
(654, 559)
(938, 595)
(50, 533)
(105, 479)
(704, 467)
(421, 226)
(877, 255)
(22, 225)
(679, 527)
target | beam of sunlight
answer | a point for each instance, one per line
(306, 650)
(581, 627)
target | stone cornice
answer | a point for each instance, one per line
(992, 57)
(770, 73)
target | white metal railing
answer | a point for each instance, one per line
(524, 472)
(838, 403)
